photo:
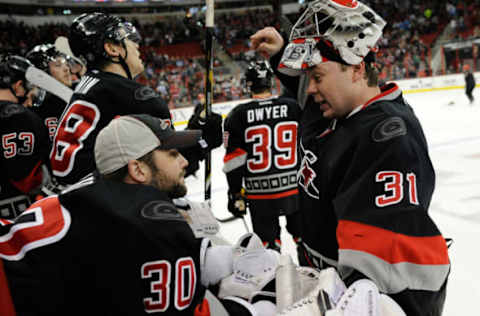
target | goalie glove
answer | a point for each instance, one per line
(199, 217)
(253, 268)
(237, 204)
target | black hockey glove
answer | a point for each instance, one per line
(211, 127)
(237, 204)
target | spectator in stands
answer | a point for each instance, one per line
(409, 22)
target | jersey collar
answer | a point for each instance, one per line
(388, 92)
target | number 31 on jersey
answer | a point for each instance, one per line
(393, 186)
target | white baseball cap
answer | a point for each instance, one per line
(130, 137)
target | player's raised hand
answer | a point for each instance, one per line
(267, 41)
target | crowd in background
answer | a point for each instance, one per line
(173, 51)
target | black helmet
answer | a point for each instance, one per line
(258, 76)
(42, 55)
(12, 69)
(90, 31)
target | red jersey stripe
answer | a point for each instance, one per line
(30, 182)
(378, 96)
(272, 196)
(48, 226)
(234, 154)
(390, 246)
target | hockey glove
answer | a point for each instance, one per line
(211, 127)
(202, 221)
(253, 269)
(237, 204)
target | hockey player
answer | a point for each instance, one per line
(366, 182)
(47, 58)
(77, 66)
(119, 246)
(260, 138)
(24, 141)
(110, 47)
(469, 82)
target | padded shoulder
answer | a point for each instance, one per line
(8, 109)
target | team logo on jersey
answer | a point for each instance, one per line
(226, 135)
(306, 174)
(388, 129)
(145, 93)
(161, 211)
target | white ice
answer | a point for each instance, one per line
(453, 134)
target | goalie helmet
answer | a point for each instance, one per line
(344, 31)
(90, 31)
(12, 69)
(258, 76)
(42, 55)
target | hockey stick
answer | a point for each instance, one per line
(208, 89)
(228, 219)
(245, 224)
(232, 218)
(48, 83)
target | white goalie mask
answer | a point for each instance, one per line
(347, 28)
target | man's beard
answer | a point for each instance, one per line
(174, 190)
(177, 191)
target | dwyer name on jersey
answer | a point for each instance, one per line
(267, 113)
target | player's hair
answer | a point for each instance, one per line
(120, 174)
(371, 73)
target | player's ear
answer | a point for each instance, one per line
(358, 71)
(139, 172)
(111, 49)
(19, 89)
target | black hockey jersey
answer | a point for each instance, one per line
(260, 138)
(366, 186)
(50, 112)
(104, 249)
(355, 172)
(97, 99)
(24, 148)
